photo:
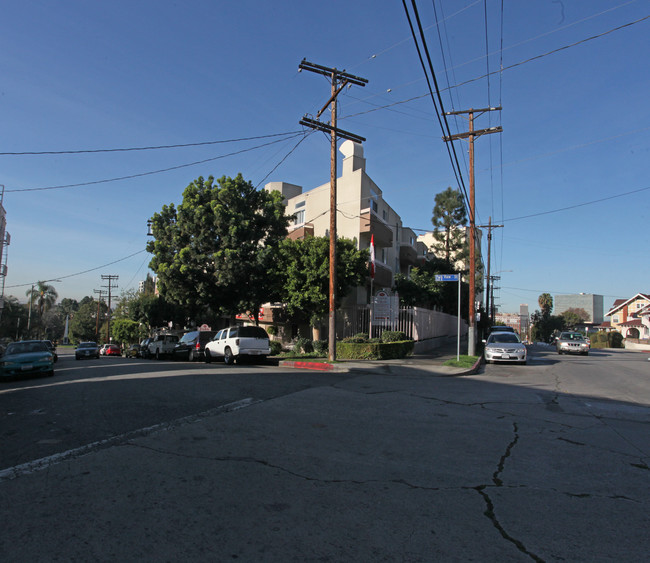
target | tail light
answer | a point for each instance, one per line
(198, 346)
(237, 342)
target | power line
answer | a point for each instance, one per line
(576, 205)
(502, 68)
(141, 174)
(81, 273)
(149, 148)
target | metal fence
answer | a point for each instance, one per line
(417, 323)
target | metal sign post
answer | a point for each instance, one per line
(446, 278)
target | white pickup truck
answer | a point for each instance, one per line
(162, 345)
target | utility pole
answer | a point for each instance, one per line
(29, 317)
(336, 77)
(110, 279)
(489, 227)
(471, 336)
(102, 294)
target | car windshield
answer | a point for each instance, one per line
(87, 345)
(571, 336)
(503, 338)
(26, 347)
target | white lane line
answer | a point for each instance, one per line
(46, 462)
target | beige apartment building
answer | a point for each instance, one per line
(362, 213)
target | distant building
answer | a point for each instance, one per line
(514, 320)
(591, 303)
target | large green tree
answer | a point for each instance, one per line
(215, 249)
(83, 325)
(304, 269)
(449, 222)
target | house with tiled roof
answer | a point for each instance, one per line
(627, 318)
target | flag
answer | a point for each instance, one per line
(372, 257)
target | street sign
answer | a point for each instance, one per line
(446, 277)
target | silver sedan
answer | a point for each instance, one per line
(504, 347)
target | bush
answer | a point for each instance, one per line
(276, 347)
(321, 347)
(272, 330)
(303, 345)
(374, 350)
(393, 336)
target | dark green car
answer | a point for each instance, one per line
(25, 358)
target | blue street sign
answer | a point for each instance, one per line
(446, 277)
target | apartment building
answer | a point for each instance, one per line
(591, 303)
(362, 214)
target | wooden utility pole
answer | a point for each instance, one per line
(101, 293)
(110, 286)
(471, 336)
(335, 76)
(489, 227)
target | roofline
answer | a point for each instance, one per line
(644, 295)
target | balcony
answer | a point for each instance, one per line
(301, 232)
(370, 224)
(408, 256)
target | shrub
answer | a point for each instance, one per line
(303, 345)
(393, 336)
(357, 339)
(272, 330)
(615, 340)
(276, 347)
(321, 347)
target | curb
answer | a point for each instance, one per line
(316, 366)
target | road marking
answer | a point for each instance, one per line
(46, 462)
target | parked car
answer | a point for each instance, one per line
(237, 342)
(572, 343)
(27, 357)
(144, 347)
(102, 349)
(113, 350)
(504, 346)
(86, 350)
(162, 345)
(192, 346)
(52, 348)
(132, 351)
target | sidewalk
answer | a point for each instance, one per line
(431, 361)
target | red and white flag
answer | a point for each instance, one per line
(372, 256)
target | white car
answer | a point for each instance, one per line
(235, 342)
(504, 347)
(102, 350)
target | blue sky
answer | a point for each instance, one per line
(568, 177)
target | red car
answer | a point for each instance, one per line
(113, 350)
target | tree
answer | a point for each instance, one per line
(449, 221)
(545, 301)
(13, 321)
(304, 267)
(83, 325)
(42, 297)
(127, 331)
(216, 248)
(574, 316)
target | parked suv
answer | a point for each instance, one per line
(235, 342)
(572, 343)
(162, 345)
(191, 347)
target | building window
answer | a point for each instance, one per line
(300, 204)
(384, 215)
(373, 205)
(615, 319)
(300, 217)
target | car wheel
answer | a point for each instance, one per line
(228, 358)
(50, 373)
(157, 354)
(208, 356)
(190, 356)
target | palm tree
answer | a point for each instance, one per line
(44, 296)
(545, 304)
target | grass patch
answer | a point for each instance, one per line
(462, 362)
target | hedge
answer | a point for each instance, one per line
(374, 350)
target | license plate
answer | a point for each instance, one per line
(26, 367)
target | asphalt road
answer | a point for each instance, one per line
(126, 460)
